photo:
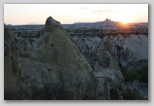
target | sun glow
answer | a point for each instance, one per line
(128, 14)
(126, 19)
(124, 23)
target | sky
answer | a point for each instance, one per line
(18, 14)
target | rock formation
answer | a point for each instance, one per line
(89, 47)
(130, 51)
(53, 68)
(112, 55)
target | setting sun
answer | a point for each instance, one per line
(125, 20)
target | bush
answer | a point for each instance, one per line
(131, 75)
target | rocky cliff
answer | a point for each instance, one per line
(52, 68)
(117, 57)
(131, 51)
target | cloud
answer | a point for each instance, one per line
(106, 10)
(83, 8)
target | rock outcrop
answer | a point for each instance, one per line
(53, 68)
(130, 51)
(112, 56)
(89, 47)
(108, 59)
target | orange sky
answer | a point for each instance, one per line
(70, 13)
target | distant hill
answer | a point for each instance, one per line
(106, 24)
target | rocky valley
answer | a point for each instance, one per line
(57, 62)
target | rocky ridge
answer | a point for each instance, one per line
(112, 56)
(130, 51)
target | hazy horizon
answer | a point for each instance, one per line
(34, 14)
(69, 23)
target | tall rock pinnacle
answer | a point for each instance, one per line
(50, 24)
(54, 70)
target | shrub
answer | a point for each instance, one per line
(131, 75)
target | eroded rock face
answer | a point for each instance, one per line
(11, 67)
(107, 67)
(54, 69)
(88, 47)
(130, 52)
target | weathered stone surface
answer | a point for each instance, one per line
(89, 47)
(112, 51)
(54, 69)
(130, 51)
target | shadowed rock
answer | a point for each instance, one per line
(50, 24)
(48, 72)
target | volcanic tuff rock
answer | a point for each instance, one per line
(53, 68)
(105, 54)
(88, 46)
(130, 51)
